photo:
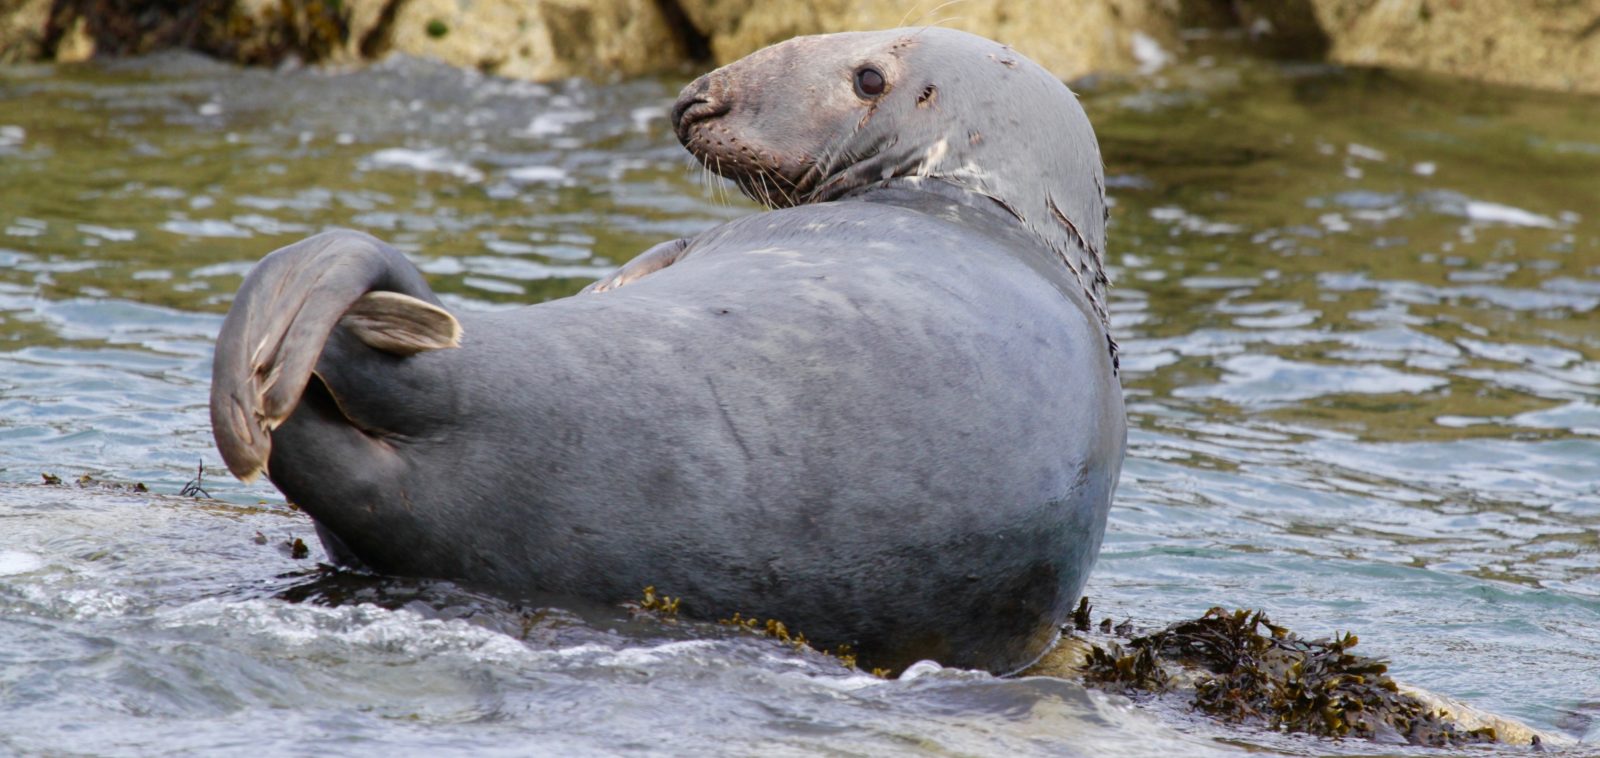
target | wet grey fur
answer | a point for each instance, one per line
(888, 420)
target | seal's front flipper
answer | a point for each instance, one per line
(647, 262)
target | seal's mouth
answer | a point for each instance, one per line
(726, 149)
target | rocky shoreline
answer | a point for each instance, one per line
(1546, 45)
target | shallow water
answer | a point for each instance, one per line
(1360, 315)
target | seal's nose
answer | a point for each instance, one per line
(697, 102)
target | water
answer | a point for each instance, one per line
(1360, 315)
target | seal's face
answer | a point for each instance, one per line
(783, 122)
(825, 117)
(776, 121)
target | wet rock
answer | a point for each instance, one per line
(23, 25)
(1283, 28)
(530, 40)
(1549, 45)
(1069, 37)
(75, 43)
(1239, 667)
(270, 31)
(367, 25)
(543, 40)
(246, 31)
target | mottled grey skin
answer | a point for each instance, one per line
(884, 413)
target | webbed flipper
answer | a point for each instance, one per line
(280, 321)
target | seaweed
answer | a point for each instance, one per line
(1080, 617)
(781, 632)
(665, 608)
(1254, 671)
(662, 605)
(85, 481)
(195, 487)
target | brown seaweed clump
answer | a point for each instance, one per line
(1253, 671)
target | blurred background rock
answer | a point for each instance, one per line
(1547, 44)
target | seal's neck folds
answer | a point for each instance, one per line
(1067, 213)
(976, 115)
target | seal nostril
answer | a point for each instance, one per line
(682, 106)
(696, 103)
(687, 112)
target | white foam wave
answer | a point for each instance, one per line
(13, 562)
(1495, 213)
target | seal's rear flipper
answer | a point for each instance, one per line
(401, 324)
(280, 321)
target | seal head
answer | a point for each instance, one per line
(829, 117)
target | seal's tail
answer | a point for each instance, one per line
(287, 307)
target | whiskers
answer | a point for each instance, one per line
(938, 23)
(711, 181)
(706, 186)
(927, 13)
(768, 188)
(789, 193)
(719, 186)
(758, 178)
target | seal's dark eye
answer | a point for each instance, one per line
(869, 82)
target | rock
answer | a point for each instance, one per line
(543, 40)
(245, 31)
(75, 44)
(366, 22)
(1284, 28)
(1549, 45)
(23, 26)
(1069, 37)
(270, 31)
(510, 39)
(1507, 731)
(1182, 681)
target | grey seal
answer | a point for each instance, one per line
(884, 412)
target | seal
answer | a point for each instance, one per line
(884, 411)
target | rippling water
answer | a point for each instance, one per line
(1361, 321)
